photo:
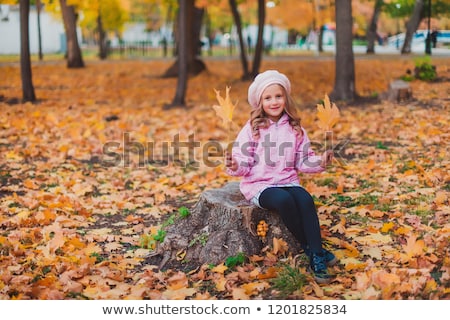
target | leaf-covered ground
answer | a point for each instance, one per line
(73, 226)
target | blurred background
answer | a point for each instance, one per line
(148, 28)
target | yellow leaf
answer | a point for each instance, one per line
(339, 227)
(57, 241)
(220, 282)
(253, 274)
(112, 246)
(23, 214)
(430, 286)
(30, 184)
(271, 272)
(177, 281)
(413, 246)
(181, 254)
(383, 278)
(255, 287)
(225, 108)
(11, 155)
(239, 294)
(374, 252)
(140, 253)
(279, 246)
(374, 239)
(441, 197)
(179, 294)
(352, 264)
(317, 290)
(328, 114)
(80, 189)
(387, 226)
(220, 268)
(402, 231)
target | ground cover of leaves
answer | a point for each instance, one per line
(80, 209)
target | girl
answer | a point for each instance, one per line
(268, 153)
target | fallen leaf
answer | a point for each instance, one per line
(239, 294)
(413, 246)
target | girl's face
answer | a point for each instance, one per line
(273, 101)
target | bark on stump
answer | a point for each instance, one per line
(221, 224)
(399, 91)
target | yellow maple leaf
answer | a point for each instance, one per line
(328, 114)
(179, 294)
(413, 246)
(279, 246)
(57, 241)
(253, 288)
(177, 281)
(387, 226)
(239, 294)
(219, 268)
(225, 108)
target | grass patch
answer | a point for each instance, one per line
(366, 184)
(425, 214)
(288, 280)
(367, 199)
(327, 182)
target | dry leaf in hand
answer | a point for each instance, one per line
(225, 108)
(328, 114)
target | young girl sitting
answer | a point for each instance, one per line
(268, 153)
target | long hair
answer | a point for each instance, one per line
(258, 118)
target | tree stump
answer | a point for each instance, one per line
(399, 91)
(221, 224)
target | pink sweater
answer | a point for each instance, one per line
(274, 159)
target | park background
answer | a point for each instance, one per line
(73, 227)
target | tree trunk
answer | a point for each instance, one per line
(344, 85)
(38, 12)
(237, 21)
(102, 40)
(25, 62)
(372, 31)
(221, 224)
(182, 61)
(320, 41)
(192, 32)
(412, 25)
(74, 57)
(260, 40)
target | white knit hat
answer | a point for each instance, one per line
(262, 81)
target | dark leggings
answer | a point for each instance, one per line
(298, 212)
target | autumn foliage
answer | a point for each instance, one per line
(75, 226)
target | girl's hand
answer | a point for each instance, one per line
(230, 162)
(327, 158)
